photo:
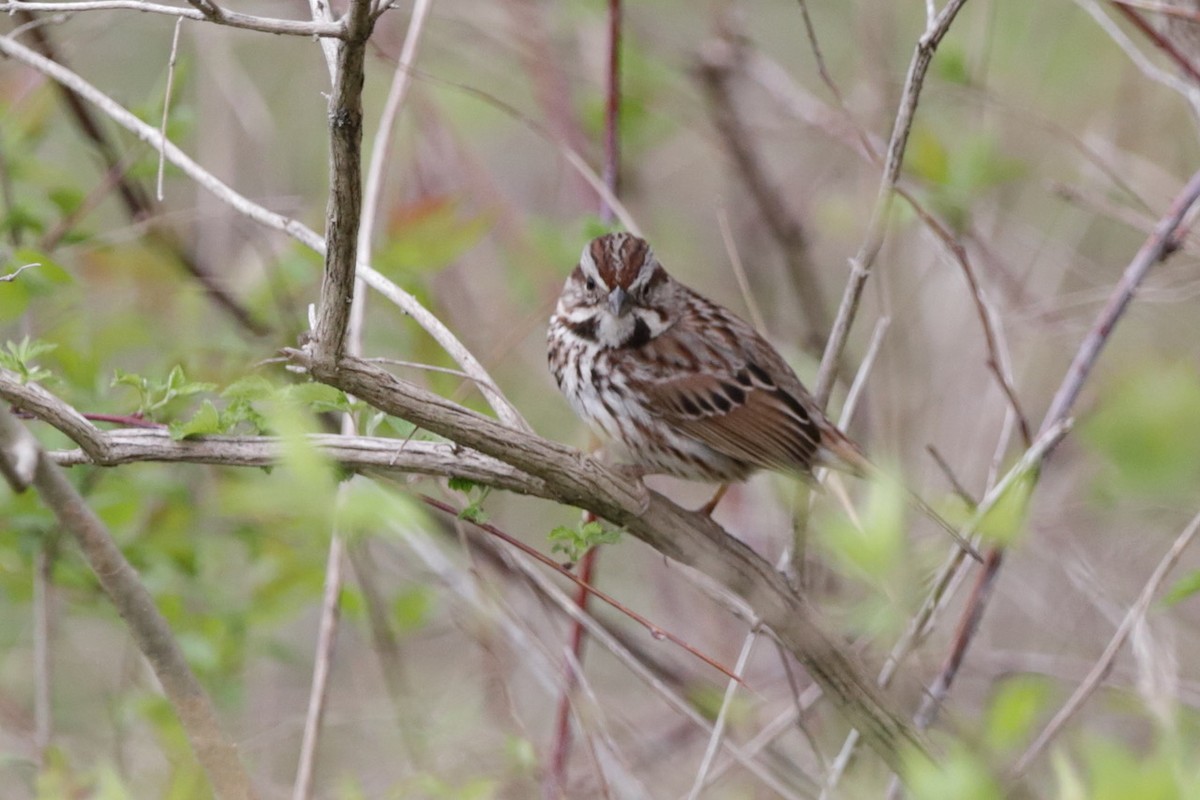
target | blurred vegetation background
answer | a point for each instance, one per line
(1039, 143)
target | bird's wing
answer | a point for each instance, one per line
(735, 403)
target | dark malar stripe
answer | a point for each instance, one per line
(640, 336)
(584, 330)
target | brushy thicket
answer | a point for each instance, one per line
(1039, 147)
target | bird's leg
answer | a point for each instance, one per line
(708, 508)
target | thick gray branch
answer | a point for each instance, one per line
(691, 538)
(345, 183)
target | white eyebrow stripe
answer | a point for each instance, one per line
(588, 264)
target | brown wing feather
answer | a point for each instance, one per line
(740, 399)
(763, 429)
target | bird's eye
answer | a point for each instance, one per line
(591, 284)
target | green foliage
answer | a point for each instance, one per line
(874, 549)
(1182, 589)
(1016, 706)
(44, 277)
(574, 542)
(960, 774)
(432, 787)
(1005, 520)
(476, 495)
(19, 358)
(1148, 429)
(246, 400)
(429, 235)
(154, 394)
(957, 168)
(411, 608)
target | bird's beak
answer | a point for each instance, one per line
(618, 302)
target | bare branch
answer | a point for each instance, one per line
(864, 260)
(326, 635)
(233, 19)
(688, 537)
(345, 186)
(12, 276)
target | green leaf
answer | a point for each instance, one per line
(951, 65)
(876, 548)
(464, 485)
(19, 357)
(1014, 710)
(1182, 589)
(206, 420)
(249, 388)
(411, 608)
(1070, 784)
(574, 542)
(960, 775)
(1005, 520)
(474, 513)
(1148, 428)
(928, 158)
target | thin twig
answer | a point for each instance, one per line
(327, 628)
(864, 260)
(992, 335)
(1101, 668)
(1140, 59)
(43, 636)
(162, 131)
(721, 61)
(655, 630)
(556, 774)
(1126, 9)
(233, 19)
(739, 272)
(621, 650)
(714, 740)
(12, 276)
(382, 146)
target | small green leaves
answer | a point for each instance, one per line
(205, 421)
(19, 357)
(476, 494)
(246, 400)
(154, 393)
(1182, 589)
(464, 485)
(574, 542)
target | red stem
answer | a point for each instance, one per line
(556, 777)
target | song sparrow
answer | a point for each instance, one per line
(679, 384)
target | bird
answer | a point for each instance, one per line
(677, 384)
